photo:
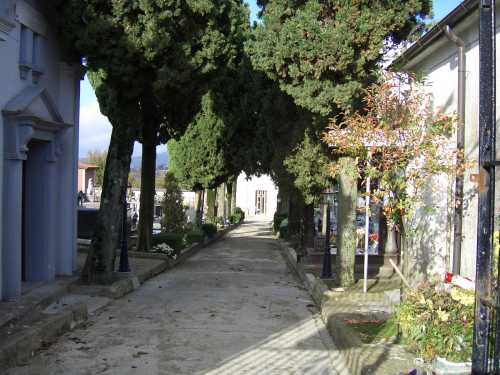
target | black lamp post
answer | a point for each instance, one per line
(124, 264)
(326, 272)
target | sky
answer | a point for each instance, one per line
(95, 129)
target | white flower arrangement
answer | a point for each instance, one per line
(163, 248)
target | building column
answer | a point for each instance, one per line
(12, 224)
(67, 168)
(67, 205)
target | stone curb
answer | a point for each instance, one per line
(359, 358)
(21, 346)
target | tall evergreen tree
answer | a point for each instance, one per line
(174, 217)
(322, 54)
(150, 61)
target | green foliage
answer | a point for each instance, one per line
(435, 322)
(283, 228)
(197, 158)
(174, 217)
(310, 167)
(322, 53)
(219, 220)
(179, 240)
(209, 229)
(496, 254)
(277, 220)
(174, 240)
(409, 143)
(98, 158)
(194, 235)
(239, 213)
(375, 331)
(160, 179)
(238, 216)
(134, 179)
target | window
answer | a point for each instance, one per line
(23, 47)
(260, 202)
(36, 57)
(35, 50)
(25, 50)
(30, 54)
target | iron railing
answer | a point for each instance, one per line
(486, 340)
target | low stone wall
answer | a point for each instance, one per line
(336, 307)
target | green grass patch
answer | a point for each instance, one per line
(375, 331)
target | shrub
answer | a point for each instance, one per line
(219, 221)
(174, 240)
(278, 218)
(194, 235)
(239, 215)
(435, 322)
(174, 217)
(283, 228)
(209, 229)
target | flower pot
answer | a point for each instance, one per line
(442, 366)
(391, 246)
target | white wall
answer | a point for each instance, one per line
(245, 194)
(431, 252)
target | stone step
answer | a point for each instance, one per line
(34, 300)
(21, 339)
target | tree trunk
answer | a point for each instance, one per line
(229, 195)
(233, 195)
(211, 206)
(308, 225)
(221, 199)
(283, 203)
(99, 265)
(198, 208)
(147, 199)
(293, 217)
(346, 236)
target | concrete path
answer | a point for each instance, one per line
(234, 308)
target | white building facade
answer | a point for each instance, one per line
(39, 103)
(430, 252)
(257, 196)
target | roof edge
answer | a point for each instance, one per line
(463, 10)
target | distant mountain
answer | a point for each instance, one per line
(161, 161)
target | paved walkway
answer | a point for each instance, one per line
(234, 308)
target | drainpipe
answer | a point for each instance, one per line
(459, 181)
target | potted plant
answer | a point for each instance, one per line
(437, 324)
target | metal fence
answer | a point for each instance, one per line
(486, 340)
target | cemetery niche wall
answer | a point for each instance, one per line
(39, 103)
